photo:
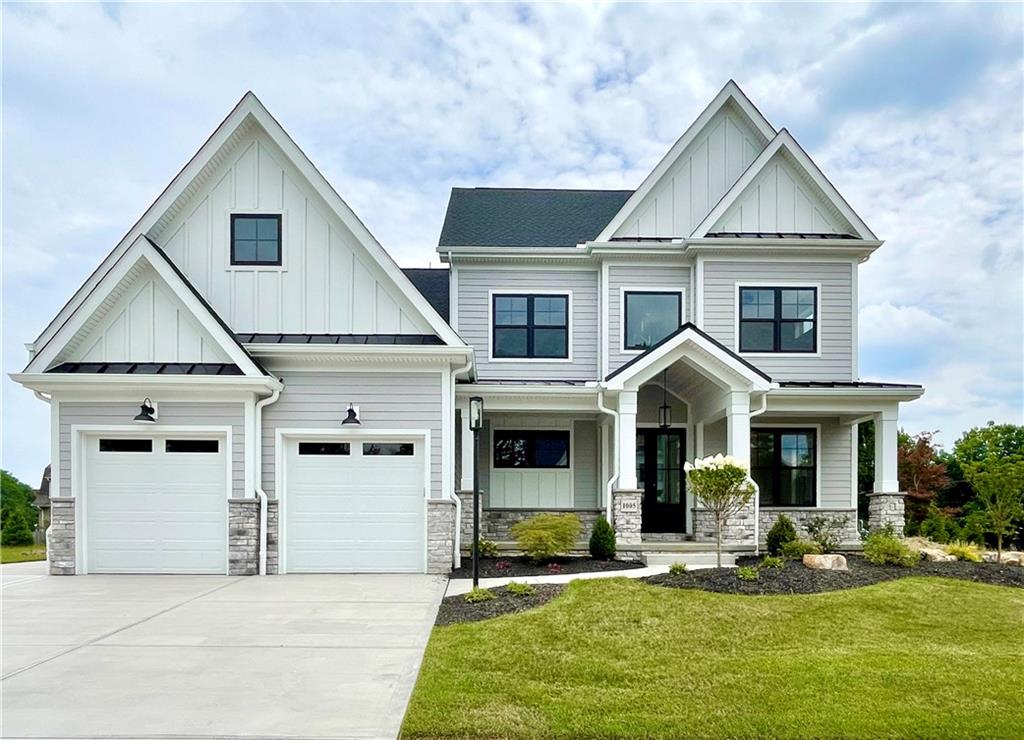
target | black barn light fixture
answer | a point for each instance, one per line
(351, 416)
(146, 413)
(664, 411)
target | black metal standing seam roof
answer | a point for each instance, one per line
(845, 384)
(433, 284)
(776, 235)
(148, 368)
(523, 217)
(412, 339)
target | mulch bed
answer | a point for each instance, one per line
(517, 567)
(795, 578)
(455, 609)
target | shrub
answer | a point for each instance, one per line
(939, 526)
(747, 573)
(544, 536)
(796, 549)
(503, 565)
(602, 540)
(771, 562)
(477, 595)
(520, 589)
(554, 569)
(488, 548)
(826, 531)
(781, 532)
(882, 547)
(677, 569)
(964, 551)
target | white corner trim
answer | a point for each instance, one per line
(568, 293)
(622, 311)
(772, 283)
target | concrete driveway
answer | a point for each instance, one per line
(318, 656)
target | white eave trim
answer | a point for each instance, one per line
(55, 382)
(861, 394)
(362, 353)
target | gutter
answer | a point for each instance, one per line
(258, 462)
(757, 491)
(452, 496)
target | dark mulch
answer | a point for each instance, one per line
(518, 567)
(455, 609)
(795, 578)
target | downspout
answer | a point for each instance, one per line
(615, 455)
(757, 492)
(258, 462)
(457, 549)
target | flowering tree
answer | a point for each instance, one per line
(722, 485)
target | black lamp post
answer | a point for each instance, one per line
(476, 423)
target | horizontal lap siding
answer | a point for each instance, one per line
(386, 400)
(169, 413)
(835, 323)
(474, 285)
(652, 277)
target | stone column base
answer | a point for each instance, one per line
(243, 536)
(886, 508)
(60, 537)
(273, 533)
(466, 525)
(627, 515)
(440, 535)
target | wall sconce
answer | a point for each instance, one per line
(351, 416)
(147, 413)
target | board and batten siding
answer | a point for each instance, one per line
(386, 400)
(836, 442)
(835, 319)
(327, 282)
(475, 285)
(640, 277)
(170, 413)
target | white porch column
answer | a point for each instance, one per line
(626, 429)
(466, 448)
(886, 430)
(737, 414)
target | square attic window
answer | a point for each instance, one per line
(255, 239)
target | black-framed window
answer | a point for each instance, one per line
(533, 448)
(255, 239)
(126, 445)
(783, 462)
(650, 317)
(778, 319)
(205, 446)
(530, 326)
(388, 448)
(323, 448)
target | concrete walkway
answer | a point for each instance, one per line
(458, 586)
(318, 656)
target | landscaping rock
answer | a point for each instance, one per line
(1010, 557)
(825, 562)
(936, 555)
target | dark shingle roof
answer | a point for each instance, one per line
(514, 217)
(433, 284)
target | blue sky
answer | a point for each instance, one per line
(913, 111)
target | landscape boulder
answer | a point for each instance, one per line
(937, 556)
(1011, 557)
(825, 562)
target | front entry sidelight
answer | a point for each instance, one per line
(660, 454)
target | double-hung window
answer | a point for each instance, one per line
(778, 319)
(783, 463)
(531, 449)
(530, 326)
(650, 317)
(255, 239)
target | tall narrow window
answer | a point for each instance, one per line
(530, 326)
(255, 239)
(778, 320)
(783, 463)
(650, 317)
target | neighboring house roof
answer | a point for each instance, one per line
(524, 217)
(42, 500)
(339, 339)
(149, 368)
(433, 284)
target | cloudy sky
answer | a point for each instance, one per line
(913, 111)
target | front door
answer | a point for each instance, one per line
(659, 471)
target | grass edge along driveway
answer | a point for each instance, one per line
(22, 553)
(913, 657)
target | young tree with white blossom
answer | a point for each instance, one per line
(722, 485)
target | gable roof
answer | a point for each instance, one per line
(784, 144)
(248, 111)
(144, 250)
(729, 94)
(524, 217)
(433, 284)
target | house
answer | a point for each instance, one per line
(248, 383)
(42, 504)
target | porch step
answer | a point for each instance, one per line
(694, 559)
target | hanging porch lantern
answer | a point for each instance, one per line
(664, 411)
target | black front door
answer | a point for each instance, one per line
(659, 471)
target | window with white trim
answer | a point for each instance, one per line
(650, 316)
(778, 319)
(530, 326)
(783, 463)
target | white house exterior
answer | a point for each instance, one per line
(250, 310)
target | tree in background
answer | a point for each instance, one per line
(999, 484)
(18, 513)
(922, 474)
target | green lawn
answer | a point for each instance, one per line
(914, 657)
(22, 553)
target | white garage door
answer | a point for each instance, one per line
(354, 506)
(156, 504)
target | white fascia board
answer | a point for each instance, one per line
(784, 140)
(732, 92)
(852, 394)
(84, 382)
(531, 398)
